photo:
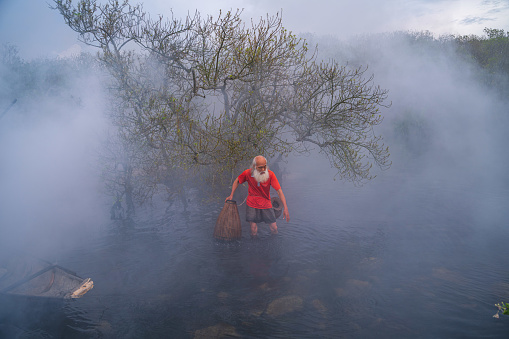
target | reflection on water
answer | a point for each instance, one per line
(394, 259)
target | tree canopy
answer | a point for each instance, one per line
(214, 92)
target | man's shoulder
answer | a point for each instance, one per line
(274, 181)
(246, 173)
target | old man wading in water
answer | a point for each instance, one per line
(258, 204)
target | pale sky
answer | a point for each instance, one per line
(40, 31)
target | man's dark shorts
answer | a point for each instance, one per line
(258, 215)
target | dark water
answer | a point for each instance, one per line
(410, 255)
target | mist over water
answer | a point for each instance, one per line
(416, 252)
(49, 173)
(442, 117)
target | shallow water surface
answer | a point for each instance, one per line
(400, 257)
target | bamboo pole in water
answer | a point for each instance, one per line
(228, 225)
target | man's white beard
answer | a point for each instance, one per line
(261, 177)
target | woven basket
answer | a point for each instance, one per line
(228, 225)
(277, 205)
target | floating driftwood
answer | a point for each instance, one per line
(32, 277)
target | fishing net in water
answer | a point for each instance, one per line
(228, 225)
(30, 277)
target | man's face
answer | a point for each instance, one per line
(261, 166)
(260, 171)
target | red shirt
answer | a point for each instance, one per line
(258, 195)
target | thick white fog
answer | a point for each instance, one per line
(442, 119)
(421, 243)
(445, 130)
(49, 172)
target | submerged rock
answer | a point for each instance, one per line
(340, 292)
(222, 295)
(217, 331)
(353, 288)
(104, 328)
(448, 275)
(369, 260)
(311, 271)
(358, 284)
(256, 312)
(284, 305)
(319, 306)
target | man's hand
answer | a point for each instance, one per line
(230, 197)
(286, 215)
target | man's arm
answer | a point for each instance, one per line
(286, 214)
(234, 187)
